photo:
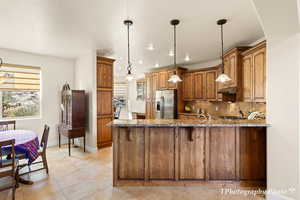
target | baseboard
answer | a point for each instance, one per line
(278, 197)
(91, 149)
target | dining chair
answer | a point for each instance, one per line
(7, 125)
(8, 167)
(42, 153)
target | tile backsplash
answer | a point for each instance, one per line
(217, 109)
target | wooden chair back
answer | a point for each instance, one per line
(7, 125)
(7, 166)
(44, 140)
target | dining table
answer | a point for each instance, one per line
(26, 144)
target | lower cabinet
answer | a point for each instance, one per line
(131, 153)
(189, 154)
(253, 153)
(192, 153)
(222, 153)
(104, 132)
(162, 153)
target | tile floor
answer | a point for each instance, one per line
(86, 176)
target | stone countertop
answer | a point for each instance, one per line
(188, 123)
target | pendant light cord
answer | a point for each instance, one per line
(174, 45)
(128, 47)
(222, 41)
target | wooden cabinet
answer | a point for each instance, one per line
(104, 78)
(254, 74)
(155, 84)
(199, 85)
(210, 85)
(188, 91)
(192, 153)
(163, 80)
(222, 153)
(187, 155)
(104, 101)
(161, 153)
(131, 153)
(253, 153)
(158, 80)
(104, 133)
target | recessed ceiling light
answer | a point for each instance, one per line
(171, 53)
(150, 47)
(156, 65)
(140, 62)
(187, 58)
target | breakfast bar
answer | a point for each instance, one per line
(188, 152)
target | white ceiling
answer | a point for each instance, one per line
(68, 28)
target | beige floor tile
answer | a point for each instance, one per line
(87, 176)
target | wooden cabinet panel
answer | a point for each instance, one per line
(222, 153)
(233, 69)
(148, 87)
(148, 109)
(188, 86)
(253, 153)
(104, 133)
(104, 102)
(155, 84)
(192, 152)
(163, 80)
(162, 153)
(199, 85)
(171, 85)
(104, 76)
(131, 153)
(254, 74)
(211, 85)
(259, 75)
(247, 78)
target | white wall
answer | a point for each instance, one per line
(85, 76)
(283, 51)
(55, 72)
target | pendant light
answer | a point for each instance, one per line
(222, 78)
(129, 75)
(174, 78)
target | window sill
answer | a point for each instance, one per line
(21, 119)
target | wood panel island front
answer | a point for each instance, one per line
(189, 152)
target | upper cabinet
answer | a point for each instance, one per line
(254, 74)
(188, 92)
(211, 85)
(200, 85)
(163, 80)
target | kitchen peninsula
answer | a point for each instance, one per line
(185, 152)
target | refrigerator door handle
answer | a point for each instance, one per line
(162, 110)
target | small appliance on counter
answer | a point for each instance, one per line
(166, 104)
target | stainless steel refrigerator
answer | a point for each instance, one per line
(166, 104)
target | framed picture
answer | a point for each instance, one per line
(140, 89)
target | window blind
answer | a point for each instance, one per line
(120, 90)
(19, 77)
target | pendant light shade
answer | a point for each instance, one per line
(222, 78)
(174, 78)
(129, 76)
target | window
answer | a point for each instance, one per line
(19, 91)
